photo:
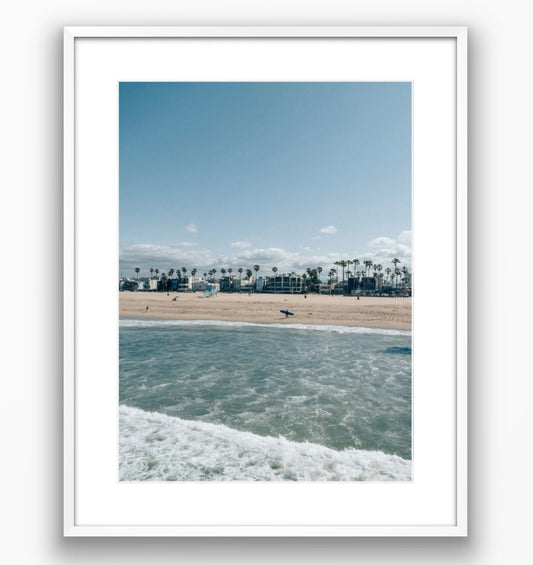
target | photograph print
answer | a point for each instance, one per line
(265, 281)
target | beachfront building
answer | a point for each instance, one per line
(359, 285)
(185, 284)
(181, 284)
(235, 284)
(230, 284)
(128, 284)
(247, 285)
(325, 288)
(339, 288)
(148, 283)
(259, 284)
(199, 285)
(283, 284)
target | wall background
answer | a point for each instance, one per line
(500, 121)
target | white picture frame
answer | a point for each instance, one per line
(434, 503)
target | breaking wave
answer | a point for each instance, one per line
(156, 447)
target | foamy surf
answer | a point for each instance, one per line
(143, 323)
(156, 447)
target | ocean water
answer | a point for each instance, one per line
(220, 401)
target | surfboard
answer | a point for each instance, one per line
(287, 313)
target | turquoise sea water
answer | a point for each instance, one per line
(235, 401)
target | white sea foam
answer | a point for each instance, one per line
(156, 447)
(138, 323)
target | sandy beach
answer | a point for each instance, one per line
(377, 312)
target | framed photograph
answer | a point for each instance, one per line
(265, 261)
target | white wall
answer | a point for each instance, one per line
(30, 223)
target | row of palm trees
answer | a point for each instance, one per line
(392, 274)
(311, 276)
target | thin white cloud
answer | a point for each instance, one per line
(241, 244)
(381, 241)
(405, 237)
(191, 228)
(385, 249)
(286, 261)
(162, 257)
(329, 230)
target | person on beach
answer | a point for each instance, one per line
(147, 308)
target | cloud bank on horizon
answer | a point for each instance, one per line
(380, 250)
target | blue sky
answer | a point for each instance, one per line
(292, 175)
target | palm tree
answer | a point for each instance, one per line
(343, 265)
(355, 263)
(319, 271)
(137, 271)
(213, 272)
(184, 270)
(313, 279)
(240, 269)
(222, 271)
(170, 273)
(248, 273)
(157, 272)
(378, 268)
(348, 263)
(368, 264)
(193, 273)
(275, 270)
(405, 273)
(395, 262)
(230, 270)
(332, 274)
(388, 271)
(256, 269)
(151, 272)
(397, 272)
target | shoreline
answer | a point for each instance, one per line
(370, 312)
(296, 325)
